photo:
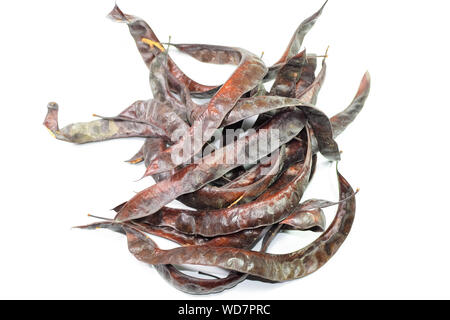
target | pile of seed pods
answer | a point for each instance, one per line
(235, 204)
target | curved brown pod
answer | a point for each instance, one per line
(211, 197)
(98, 130)
(160, 86)
(271, 207)
(194, 285)
(139, 29)
(156, 114)
(309, 94)
(248, 107)
(194, 176)
(323, 132)
(243, 239)
(211, 53)
(340, 121)
(295, 43)
(313, 219)
(275, 267)
(288, 76)
(247, 75)
(307, 75)
(246, 239)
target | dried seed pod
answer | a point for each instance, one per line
(275, 267)
(340, 121)
(271, 207)
(212, 166)
(313, 219)
(288, 76)
(211, 197)
(155, 114)
(247, 75)
(140, 30)
(98, 130)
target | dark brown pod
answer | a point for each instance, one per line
(213, 166)
(275, 267)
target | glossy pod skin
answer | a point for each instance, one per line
(160, 86)
(212, 53)
(295, 43)
(98, 130)
(198, 286)
(250, 182)
(243, 239)
(181, 281)
(245, 191)
(292, 49)
(247, 75)
(274, 267)
(194, 285)
(299, 35)
(310, 93)
(288, 76)
(139, 29)
(339, 123)
(271, 207)
(313, 219)
(210, 197)
(341, 120)
(155, 114)
(307, 75)
(213, 166)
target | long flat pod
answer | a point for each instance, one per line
(247, 75)
(273, 206)
(341, 120)
(164, 110)
(98, 130)
(323, 132)
(243, 239)
(309, 95)
(212, 53)
(139, 30)
(307, 74)
(313, 219)
(194, 176)
(275, 267)
(295, 43)
(178, 279)
(288, 76)
(309, 215)
(156, 114)
(194, 285)
(338, 122)
(160, 85)
(244, 108)
(211, 197)
(320, 123)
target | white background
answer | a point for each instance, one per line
(396, 151)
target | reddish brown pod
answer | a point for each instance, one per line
(242, 179)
